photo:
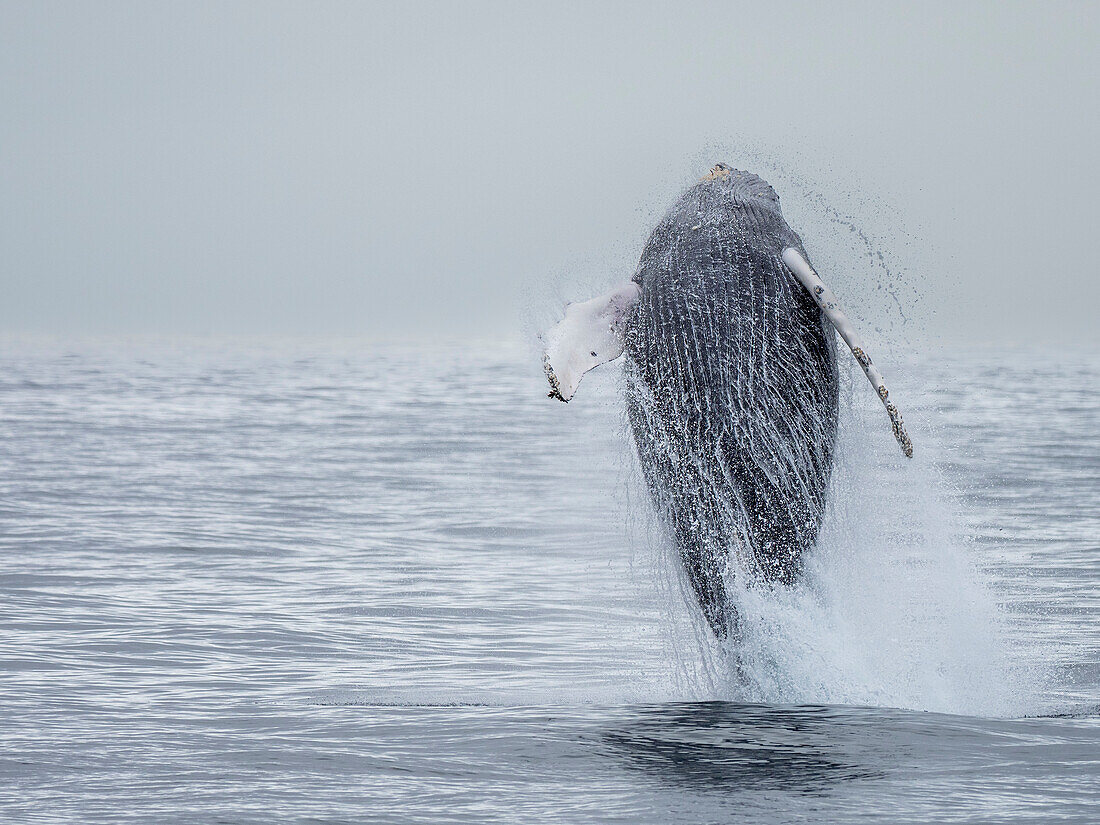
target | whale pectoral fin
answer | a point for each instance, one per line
(590, 334)
(825, 299)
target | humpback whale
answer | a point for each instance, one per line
(732, 388)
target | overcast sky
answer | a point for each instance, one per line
(388, 169)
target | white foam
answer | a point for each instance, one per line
(893, 610)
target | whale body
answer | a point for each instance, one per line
(732, 387)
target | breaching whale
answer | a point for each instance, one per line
(731, 383)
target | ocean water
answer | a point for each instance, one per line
(349, 582)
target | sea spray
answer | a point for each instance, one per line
(891, 609)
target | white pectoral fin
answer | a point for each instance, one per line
(825, 299)
(590, 334)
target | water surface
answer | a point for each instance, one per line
(345, 582)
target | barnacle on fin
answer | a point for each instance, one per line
(898, 426)
(863, 358)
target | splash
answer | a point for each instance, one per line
(891, 609)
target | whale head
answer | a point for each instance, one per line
(739, 185)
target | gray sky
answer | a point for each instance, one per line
(390, 169)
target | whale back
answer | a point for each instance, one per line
(732, 389)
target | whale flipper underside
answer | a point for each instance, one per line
(590, 334)
(825, 299)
